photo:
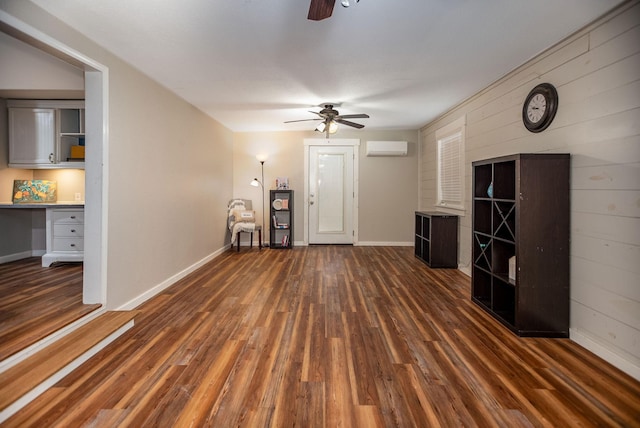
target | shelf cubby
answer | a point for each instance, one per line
(504, 220)
(504, 180)
(481, 290)
(482, 216)
(502, 252)
(482, 251)
(504, 300)
(483, 178)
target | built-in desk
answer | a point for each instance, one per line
(64, 230)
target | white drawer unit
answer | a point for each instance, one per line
(62, 216)
(65, 235)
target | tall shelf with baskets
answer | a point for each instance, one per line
(520, 242)
(281, 210)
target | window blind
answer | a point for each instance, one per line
(450, 172)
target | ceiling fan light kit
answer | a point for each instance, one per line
(331, 118)
(332, 127)
(345, 3)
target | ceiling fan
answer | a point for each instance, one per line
(331, 118)
(321, 9)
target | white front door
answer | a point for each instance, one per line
(331, 194)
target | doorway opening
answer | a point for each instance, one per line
(96, 129)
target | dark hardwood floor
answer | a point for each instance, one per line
(326, 337)
(36, 301)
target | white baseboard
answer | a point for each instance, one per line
(384, 244)
(614, 359)
(22, 255)
(134, 303)
(366, 244)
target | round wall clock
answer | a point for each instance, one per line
(540, 107)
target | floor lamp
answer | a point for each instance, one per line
(256, 183)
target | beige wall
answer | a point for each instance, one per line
(169, 167)
(597, 75)
(388, 185)
(24, 67)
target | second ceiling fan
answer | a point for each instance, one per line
(322, 9)
(331, 118)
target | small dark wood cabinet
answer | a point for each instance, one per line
(520, 242)
(281, 215)
(437, 239)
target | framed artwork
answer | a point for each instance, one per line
(34, 191)
(282, 183)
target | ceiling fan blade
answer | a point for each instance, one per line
(353, 116)
(301, 120)
(346, 122)
(320, 9)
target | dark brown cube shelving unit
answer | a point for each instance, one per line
(436, 237)
(526, 216)
(281, 218)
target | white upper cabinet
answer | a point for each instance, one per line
(46, 134)
(32, 136)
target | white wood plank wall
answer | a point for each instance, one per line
(597, 74)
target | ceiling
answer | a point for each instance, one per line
(254, 64)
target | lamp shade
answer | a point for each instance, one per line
(255, 182)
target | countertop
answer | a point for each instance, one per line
(62, 204)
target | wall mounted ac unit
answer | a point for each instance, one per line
(386, 148)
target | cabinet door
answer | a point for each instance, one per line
(31, 135)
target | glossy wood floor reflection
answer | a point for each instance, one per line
(328, 337)
(35, 301)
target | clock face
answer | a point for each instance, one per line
(536, 108)
(540, 107)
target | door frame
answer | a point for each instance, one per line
(353, 142)
(96, 165)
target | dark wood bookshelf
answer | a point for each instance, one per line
(521, 213)
(436, 239)
(281, 219)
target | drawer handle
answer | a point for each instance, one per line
(73, 217)
(73, 231)
(73, 245)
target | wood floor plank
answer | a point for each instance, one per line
(37, 301)
(29, 373)
(327, 336)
